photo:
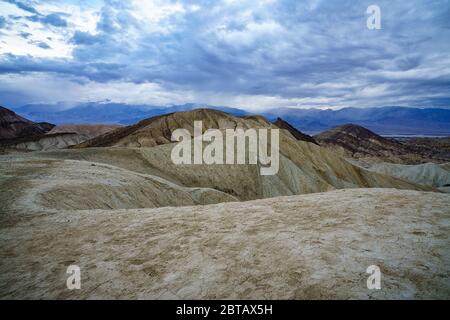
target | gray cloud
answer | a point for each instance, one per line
(43, 45)
(23, 6)
(309, 51)
(25, 35)
(2, 22)
(53, 19)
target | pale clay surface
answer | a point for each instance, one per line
(305, 246)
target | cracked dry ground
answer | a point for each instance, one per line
(307, 246)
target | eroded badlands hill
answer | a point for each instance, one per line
(158, 130)
(58, 137)
(42, 142)
(35, 185)
(354, 141)
(88, 131)
(125, 177)
(102, 178)
(429, 174)
(359, 141)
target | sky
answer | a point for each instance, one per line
(249, 54)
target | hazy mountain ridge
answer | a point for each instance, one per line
(382, 120)
(108, 113)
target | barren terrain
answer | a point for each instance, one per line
(308, 246)
(142, 227)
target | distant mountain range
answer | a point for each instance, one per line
(382, 120)
(111, 113)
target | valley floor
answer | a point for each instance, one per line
(305, 246)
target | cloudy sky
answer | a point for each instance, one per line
(252, 54)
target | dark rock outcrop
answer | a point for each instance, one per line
(13, 126)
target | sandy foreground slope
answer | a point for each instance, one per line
(304, 246)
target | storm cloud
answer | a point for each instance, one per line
(253, 54)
